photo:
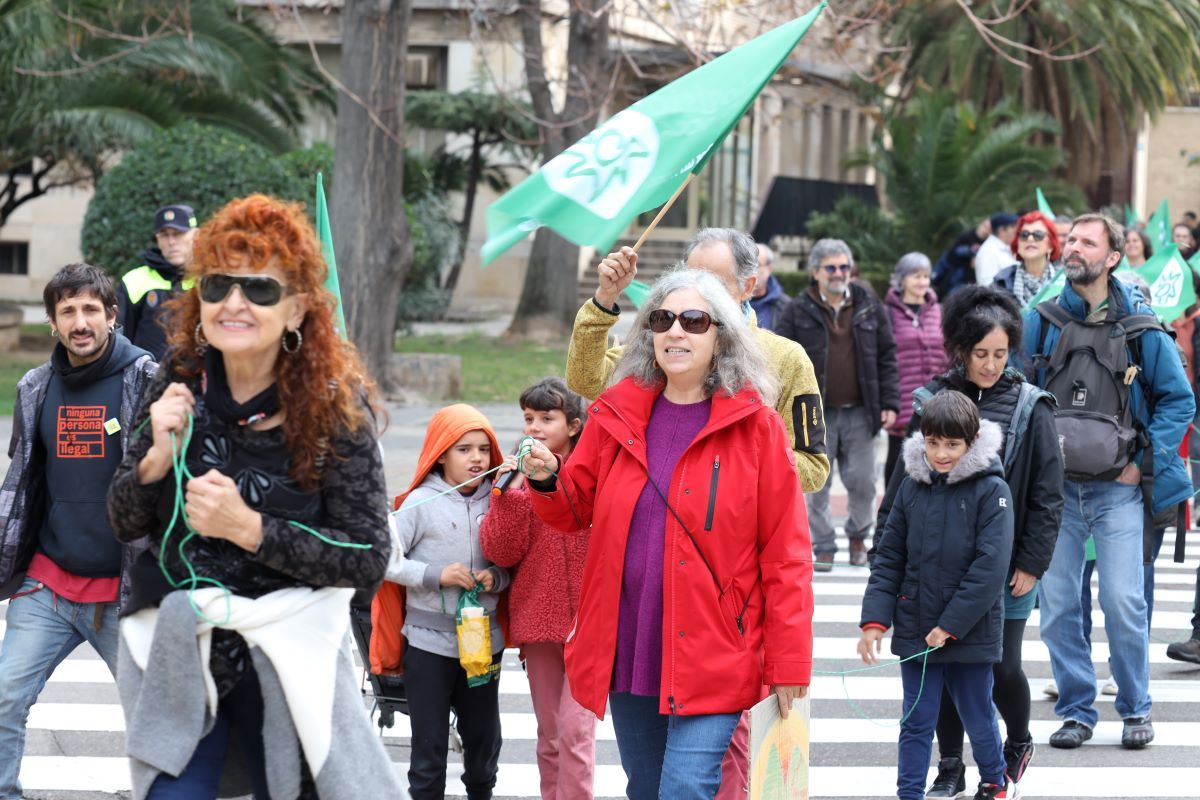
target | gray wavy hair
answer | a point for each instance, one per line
(737, 361)
(824, 248)
(741, 244)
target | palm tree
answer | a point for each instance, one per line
(1094, 65)
(81, 80)
(943, 165)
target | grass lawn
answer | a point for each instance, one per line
(12, 367)
(493, 370)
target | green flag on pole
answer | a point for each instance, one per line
(1166, 273)
(1158, 229)
(1043, 205)
(1131, 218)
(635, 161)
(325, 234)
(637, 292)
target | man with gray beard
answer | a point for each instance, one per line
(1120, 441)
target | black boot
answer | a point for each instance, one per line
(951, 779)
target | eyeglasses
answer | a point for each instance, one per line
(1037, 236)
(660, 320)
(261, 290)
(830, 269)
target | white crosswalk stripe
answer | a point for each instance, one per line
(74, 744)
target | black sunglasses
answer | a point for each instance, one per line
(660, 320)
(1037, 236)
(261, 290)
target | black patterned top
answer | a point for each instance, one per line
(349, 505)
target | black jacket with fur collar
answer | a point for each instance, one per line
(943, 557)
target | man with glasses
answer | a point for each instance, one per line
(846, 332)
(61, 568)
(732, 256)
(143, 290)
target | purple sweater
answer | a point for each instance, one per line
(638, 664)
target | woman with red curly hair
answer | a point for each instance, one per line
(1038, 249)
(256, 480)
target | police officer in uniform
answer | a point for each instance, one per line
(143, 290)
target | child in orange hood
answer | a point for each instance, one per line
(436, 557)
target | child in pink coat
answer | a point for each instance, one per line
(547, 571)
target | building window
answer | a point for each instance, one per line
(425, 68)
(14, 258)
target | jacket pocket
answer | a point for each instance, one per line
(712, 493)
(732, 609)
(906, 615)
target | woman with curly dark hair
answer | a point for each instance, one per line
(982, 329)
(255, 478)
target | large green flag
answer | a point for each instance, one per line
(1044, 205)
(1166, 273)
(1158, 229)
(325, 234)
(636, 160)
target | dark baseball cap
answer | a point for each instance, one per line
(1002, 219)
(179, 217)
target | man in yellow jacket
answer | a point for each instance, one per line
(733, 257)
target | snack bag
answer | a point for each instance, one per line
(474, 638)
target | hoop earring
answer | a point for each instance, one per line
(283, 341)
(201, 342)
(53, 333)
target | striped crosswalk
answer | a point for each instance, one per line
(74, 747)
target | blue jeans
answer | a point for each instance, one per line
(669, 757)
(240, 714)
(42, 630)
(970, 687)
(1111, 513)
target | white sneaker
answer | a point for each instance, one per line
(1050, 689)
(1109, 688)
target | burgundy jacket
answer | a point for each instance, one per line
(920, 353)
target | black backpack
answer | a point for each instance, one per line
(1091, 376)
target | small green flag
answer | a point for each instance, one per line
(1131, 217)
(1170, 281)
(1166, 273)
(1043, 205)
(325, 234)
(635, 161)
(1158, 229)
(637, 292)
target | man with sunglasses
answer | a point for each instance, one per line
(61, 568)
(143, 290)
(847, 333)
(732, 256)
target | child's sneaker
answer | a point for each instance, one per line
(990, 791)
(1017, 756)
(951, 778)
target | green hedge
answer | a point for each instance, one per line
(201, 166)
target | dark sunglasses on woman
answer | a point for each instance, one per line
(261, 290)
(1037, 236)
(660, 320)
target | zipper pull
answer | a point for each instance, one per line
(671, 704)
(716, 463)
(741, 630)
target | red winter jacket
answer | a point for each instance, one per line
(548, 568)
(737, 601)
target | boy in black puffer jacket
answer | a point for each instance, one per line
(938, 580)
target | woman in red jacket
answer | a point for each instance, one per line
(547, 574)
(697, 592)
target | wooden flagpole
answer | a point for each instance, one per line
(662, 212)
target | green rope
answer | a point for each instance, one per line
(924, 656)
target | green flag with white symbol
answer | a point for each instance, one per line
(1166, 273)
(635, 161)
(1158, 229)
